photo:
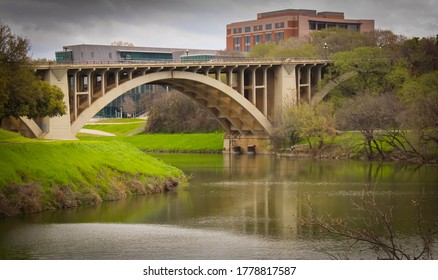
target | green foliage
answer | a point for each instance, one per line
(308, 123)
(292, 47)
(21, 93)
(370, 63)
(420, 54)
(263, 50)
(339, 40)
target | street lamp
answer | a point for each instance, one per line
(187, 54)
(325, 50)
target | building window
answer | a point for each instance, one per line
(269, 26)
(279, 36)
(312, 25)
(248, 29)
(92, 54)
(268, 37)
(237, 42)
(247, 43)
(321, 25)
(353, 27)
(82, 54)
(258, 27)
(110, 55)
(257, 39)
(279, 25)
(237, 30)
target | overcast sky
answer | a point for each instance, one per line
(201, 24)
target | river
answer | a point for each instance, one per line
(235, 207)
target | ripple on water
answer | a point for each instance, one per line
(126, 241)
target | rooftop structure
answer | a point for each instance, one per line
(278, 25)
(114, 53)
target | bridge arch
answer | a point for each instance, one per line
(237, 114)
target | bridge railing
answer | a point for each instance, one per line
(218, 60)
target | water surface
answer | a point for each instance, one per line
(236, 207)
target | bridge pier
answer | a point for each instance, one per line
(58, 127)
(262, 144)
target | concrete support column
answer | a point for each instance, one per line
(89, 87)
(218, 73)
(253, 86)
(103, 81)
(117, 78)
(309, 83)
(242, 80)
(319, 76)
(265, 91)
(207, 70)
(59, 127)
(285, 90)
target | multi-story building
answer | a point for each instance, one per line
(115, 53)
(277, 25)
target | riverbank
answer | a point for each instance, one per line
(38, 175)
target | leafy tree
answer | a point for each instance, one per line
(420, 96)
(263, 50)
(369, 114)
(309, 123)
(291, 47)
(371, 65)
(21, 92)
(176, 113)
(339, 40)
(420, 54)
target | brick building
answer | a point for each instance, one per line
(277, 25)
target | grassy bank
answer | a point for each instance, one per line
(38, 175)
(125, 129)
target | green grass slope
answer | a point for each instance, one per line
(56, 174)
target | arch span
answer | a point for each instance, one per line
(234, 111)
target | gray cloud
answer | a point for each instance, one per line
(51, 24)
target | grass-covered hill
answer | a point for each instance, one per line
(37, 175)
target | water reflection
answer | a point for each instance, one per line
(252, 205)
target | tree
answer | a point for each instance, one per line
(21, 92)
(128, 105)
(369, 114)
(309, 123)
(375, 229)
(371, 65)
(421, 54)
(420, 117)
(176, 113)
(339, 40)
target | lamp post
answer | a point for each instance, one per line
(187, 55)
(325, 50)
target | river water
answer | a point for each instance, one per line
(235, 207)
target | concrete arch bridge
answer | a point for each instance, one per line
(246, 96)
